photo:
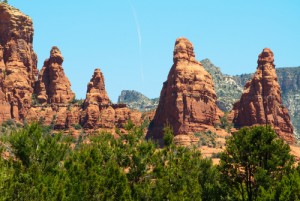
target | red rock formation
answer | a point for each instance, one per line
(187, 100)
(4, 105)
(98, 112)
(18, 73)
(261, 103)
(53, 86)
(18, 63)
(59, 116)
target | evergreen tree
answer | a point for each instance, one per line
(253, 161)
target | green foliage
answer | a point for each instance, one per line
(256, 165)
(34, 171)
(34, 100)
(77, 101)
(168, 135)
(253, 161)
(77, 126)
(42, 166)
(207, 138)
(129, 125)
(224, 123)
(9, 126)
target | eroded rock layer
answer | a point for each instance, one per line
(187, 100)
(99, 112)
(53, 86)
(18, 62)
(261, 102)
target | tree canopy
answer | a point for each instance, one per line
(256, 165)
(254, 160)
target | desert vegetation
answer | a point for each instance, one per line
(38, 165)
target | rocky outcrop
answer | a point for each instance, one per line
(261, 102)
(4, 105)
(58, 116)
(96, 99)
(99, 112)
(227, 89)
(53, 95)
(137, 101)
(53, 86)
(187, 100)
(48, 99)
(18, 62)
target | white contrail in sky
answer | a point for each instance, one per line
(138, 30)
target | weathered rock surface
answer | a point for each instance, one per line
(18, 62)
(48, 99)
(187, 99)
(137, 101)
(227, 89)
(99, 112)
(53, 86)
(261, 101)
(58, 116)
(289, 81)
(54, 95)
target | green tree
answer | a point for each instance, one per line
(94, 173)
(253, 161)
(35, 165)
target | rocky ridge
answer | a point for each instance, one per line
(137, 101)
(227, 89)
(48, 98)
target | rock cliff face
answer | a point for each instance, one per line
(99, 112)
(18, 62)
(261, 100)
(187, 100)
(53, 86)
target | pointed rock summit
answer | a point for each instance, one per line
(187, 100)
(18, 62)
(261, 102)
(53, 86)
(96, 89)
(96, 100)
(99, 112)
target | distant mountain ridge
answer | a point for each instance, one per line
(137, 101)
(229, 89)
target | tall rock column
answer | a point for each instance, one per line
(187, 99)
(18, 62)
(96, 98)
(53, 86)
(99, 112)
(261, 102)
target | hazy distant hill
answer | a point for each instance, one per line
(229, 89)
(137, 101)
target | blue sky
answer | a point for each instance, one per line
(132, 41)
